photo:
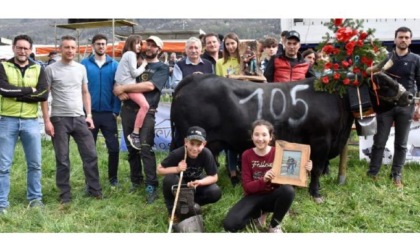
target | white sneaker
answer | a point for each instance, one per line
(261, 221)
(276, 229)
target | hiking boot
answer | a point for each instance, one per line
(276, 229)
(134, 140)
(151, 194)
(3, 211)
(35, 204)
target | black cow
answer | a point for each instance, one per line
(226, 108)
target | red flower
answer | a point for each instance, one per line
(336, 66)
(367, 61)
(338, 21)
(350, 47)
(325, 80)
(356, 70)
(343, 34)
(346, 81)
(356, 83)
(327, 66)
(328, 49)
(345, 64)
(363, 35)
(336, 76)
(359, 43)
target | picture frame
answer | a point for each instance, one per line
(289, 163)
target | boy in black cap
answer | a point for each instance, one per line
(198, 166)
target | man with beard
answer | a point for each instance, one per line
(151, 83)
(212, 48)
(22, 86)
(105, 105)
(406, 70)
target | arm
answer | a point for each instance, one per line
(176, 76)
(208, 180)
(87, 105)
(49, 128)
(269, 69)
(182, 166)
(41, 93)
(8, 90)
(132, 64)
(141, 87)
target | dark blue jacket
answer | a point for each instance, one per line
(101, 83)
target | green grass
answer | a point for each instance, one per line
(358, 206)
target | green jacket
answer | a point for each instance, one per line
(17, 98)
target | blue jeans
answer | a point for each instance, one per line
(28, 130)
(401, 117)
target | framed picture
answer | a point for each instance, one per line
(289, 163)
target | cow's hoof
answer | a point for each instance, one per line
(341, 180)
(319, 199)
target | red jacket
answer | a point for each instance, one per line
(279, 69)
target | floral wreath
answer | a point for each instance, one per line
(351, 50)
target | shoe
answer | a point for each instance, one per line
(151, 194)
(374, 178)
(3, 211)
(64, 205)
(276, 229)
(235, 180)
(35, 204)
(397, 183)
(114, 184)
(261, 221)
(134, 140)
(134, 187)
(98, 196)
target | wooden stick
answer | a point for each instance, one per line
(171, 222)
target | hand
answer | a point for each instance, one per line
(118, 89)
(194, 184)
(89, 122)
(123, 97)
(182, 166)
(49, 129)
(308, 166)
(268, 176)
(416, 115)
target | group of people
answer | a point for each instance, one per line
(87, 97)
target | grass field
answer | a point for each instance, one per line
(359, 206)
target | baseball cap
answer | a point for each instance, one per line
(196, 133)
(157, 41)
(293, 34)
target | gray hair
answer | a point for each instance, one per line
(193, 40)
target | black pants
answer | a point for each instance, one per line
(251, 206)
(76, 127)
(203, 194)
(401, 117)
(146, 154)
(107, 124)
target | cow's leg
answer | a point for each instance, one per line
(342, 167)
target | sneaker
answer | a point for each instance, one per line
(276, 229)
(134, 140)
(151, 194)
(3, 211)
(35, 204)
(114, 184)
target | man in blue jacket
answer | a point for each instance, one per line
(105, 105)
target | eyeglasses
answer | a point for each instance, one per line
(19, 48)
(100, 44)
